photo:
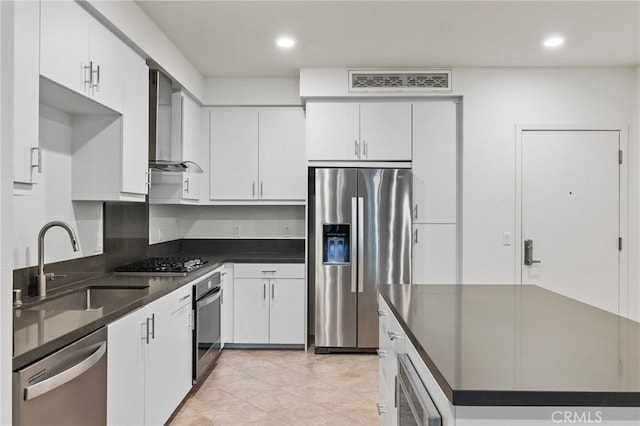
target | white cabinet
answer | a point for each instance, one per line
(175, 187)
(392, 340)
(367, 131)
(110, 152)
(434, 253)
(257, 154)
(226, 304)
(269, 304)
(26, 65)
(149, 362)
(435, 170)
(79, 53)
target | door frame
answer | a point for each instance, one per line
(623, 262)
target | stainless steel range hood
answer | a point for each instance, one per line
(161, 155)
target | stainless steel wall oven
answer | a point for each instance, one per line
(207, 294)
(415, 406)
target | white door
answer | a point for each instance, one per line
(286, 316)
(434, 162)
(385, 131)
(106, 54)
(570, 212)
(178, 378)
(434, 254)
(283, 169)
(333, 131)
(234, 154)
(64, 44)
(250, 310)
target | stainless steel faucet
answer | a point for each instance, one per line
(42, 278)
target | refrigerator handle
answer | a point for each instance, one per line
(360, 244)
(354, 247)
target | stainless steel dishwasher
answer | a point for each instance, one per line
(68, 387)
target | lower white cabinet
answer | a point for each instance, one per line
(226, 303)
(149, 363)
(269, 304)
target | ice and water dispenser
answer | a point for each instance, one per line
(336, 249)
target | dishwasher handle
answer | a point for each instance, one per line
(47, 385)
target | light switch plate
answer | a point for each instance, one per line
(236, 231)
(506, 239)
(287, 231)
(97, 244)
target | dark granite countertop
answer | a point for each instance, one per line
(37, 333)
(512, 345)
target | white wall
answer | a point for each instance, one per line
(6, 215)
(51, 200)
(251, 91)
(255, 222)
(127, 17)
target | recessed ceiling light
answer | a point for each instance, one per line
(285, 42)
(554, 41)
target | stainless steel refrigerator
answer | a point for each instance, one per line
(362, 239)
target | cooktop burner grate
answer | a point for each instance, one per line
(162, 266)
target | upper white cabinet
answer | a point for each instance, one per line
(110, 152)
(26, 57)
(434, 162)
(78, 53)
(257, 154)
(367, 131)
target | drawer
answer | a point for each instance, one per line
(180, 297)
(268, 270)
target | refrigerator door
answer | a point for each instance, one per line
(385, 249)
(335, 257)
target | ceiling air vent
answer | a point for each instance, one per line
(400, 81)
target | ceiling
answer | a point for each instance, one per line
(236, 38)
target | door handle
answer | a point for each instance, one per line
(354, 247)
(264, 290)
(39, 157)
(186, 186)
(261, 189)
(360, 244)
(273, 290)
(415, 239)
(528, 253)
(153, 326)
(364, 149)
(415, 212)
(40, 388)
(355, 149)
(381, 409)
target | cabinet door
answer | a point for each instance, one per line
(282, 154)
(286, 314)
(250, 310)
(179, 373)
(64, 44)
(385, 131)
(434, 162)
(126, 370)
(226, 304)
(191, 186)
(26, 81)
(234, 154)
(105, 51)
(135, 124)
(191, 122)
(434, 254)
(333, 131)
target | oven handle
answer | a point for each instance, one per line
(204, 302)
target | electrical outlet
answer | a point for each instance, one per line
(97, 244)
(287, 231)
(506, 239)
(236, 231)
(160, 234)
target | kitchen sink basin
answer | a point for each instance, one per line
(90, 298)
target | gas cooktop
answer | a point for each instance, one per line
(173, 266)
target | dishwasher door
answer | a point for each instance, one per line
(69, 387)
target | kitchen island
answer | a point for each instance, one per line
(511, 354)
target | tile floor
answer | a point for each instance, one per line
(278, 387)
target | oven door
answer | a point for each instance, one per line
(415, 406)
(207, 342)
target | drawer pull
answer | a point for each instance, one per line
(382, 353)
(381, 409)
(393, 335)
(382, 313)
(180, 299)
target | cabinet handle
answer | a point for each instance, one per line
(88, 81)
(268, 272)
(253, 190)
(39, 157)
(415, 212)
(222, 296)
(97, 84)
(355, 150)
(381, 409)
(153, 326)
(364, 148)
(264, 290)
(273, 290)
(382, 313)
(261, 191)
(382, 353)
(394, 335)
(147, 179)
(415, 238)
(146, 337)
(186, 186)
(180, 299)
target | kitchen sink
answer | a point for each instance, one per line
(90, 298)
